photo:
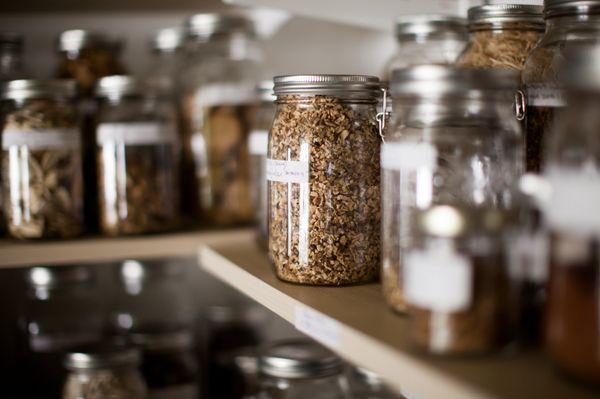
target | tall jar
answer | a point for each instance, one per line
(137, 156)
(502, 35)
(258, 145)
(41, 159)
(567, 23)
(323, 174)
(220, 100)
(454, 139)
(11, 56)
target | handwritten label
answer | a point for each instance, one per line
(41, 139)
(318, 326)
(135, 133)
(287, 171)
(258, 142)
(544, 95)
(408, 156)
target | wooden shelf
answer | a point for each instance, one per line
(97, 249)
(356, 323)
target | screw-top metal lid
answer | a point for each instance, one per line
(265, 91)
(446, 221)
(298, 359)
(78, 39)
(162, 339)
(11, 40)
(420, 25)
(502, 13)
(22, 89)
(356, 86)
(205, 25)
(121, 85)
(55, 277)
(101, 356)
(167, 40)
(440, 80)
(557, 8)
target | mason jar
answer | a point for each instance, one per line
(103, 371)
(323, 174)
(502, 35)
(299, 368)
(11, 56)
(137, 156)
(567, 23)
(220, 100)
(454, 138)
(41, 159)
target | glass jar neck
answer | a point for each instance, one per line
(567, 22)
(503, 26)
(310, 99)
(428, 37)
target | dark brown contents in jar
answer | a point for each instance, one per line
(89, 65)
(539, 121)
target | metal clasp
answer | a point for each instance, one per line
(520, 105)
(383, 115)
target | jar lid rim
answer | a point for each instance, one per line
(204, 25)
(365, 86)
(102, 356)
(423, 24)
(119, 85)
(79, 39)
(22, 89)
(558, 8)
(503, 13)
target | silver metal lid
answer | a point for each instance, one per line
(502, 13)
(420, 25)
(102, 356)
(265, 91)
(78, 39)
(121, 85)
(11, 40)
(357, 86)
(557, 8)
(162, 340)
(440, 80)
(205, 25)
(54, 277)
(299, 358)
(448, 221)
(168, 40)
(22, 89)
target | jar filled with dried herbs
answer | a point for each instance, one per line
(502, 35)
(219, 105)
(137, 156)
(41, 159)
(568, 22)
(454, 138)
(323, 173)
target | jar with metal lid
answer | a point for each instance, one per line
(220, 100)
(427, 39)
(11, 56)
(323, 174)
(137, 156)
(366, 384)
(502, 35)
(568, 22)
(103, 371)
(258, 144)
(169, 366)
(454, 138)
(41, 159)
(295, 369)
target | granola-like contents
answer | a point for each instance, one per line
(104, 384)
(326, 231)
(43, 183)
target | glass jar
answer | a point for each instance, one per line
(258, 145)
(41, 159)
(220, 101)
(103, 372)
(11, 56)
(366, 384)
(567, 23)
(427, 39)
(138, 156)
(295, 369)
(454, 139)
(323, 173)
(502, 35)
(167, 45)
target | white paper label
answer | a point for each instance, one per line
(258, 142)
(225, 94)
(544, 96)
(438, 279)
(403, 156)
(41, 139)
(135, 133)
(322, 328)
(287, 171)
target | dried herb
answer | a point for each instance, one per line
(103, 384)
(334, 236)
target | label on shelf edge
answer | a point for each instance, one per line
(287, 171)
(41, 139)
(317, 325)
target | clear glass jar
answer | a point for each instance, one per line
(567, 23)
(167, 45)
(220, 102)
(41, 160)
(258, 145)
(454, 138)
(502, 35)
(365, 384)
(427, 39)
(103, 372)
(11, 56)
(296, 369)
(137, 156)
(323, 173)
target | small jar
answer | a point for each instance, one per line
(301, 369)
(102, 372)
(427, 39)
(568, 22)
(456, 281)
(41, 160)
(137, 156)
(368, 385)
(258, 145)
(502, 35)
(11, 56)
(454, 138)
